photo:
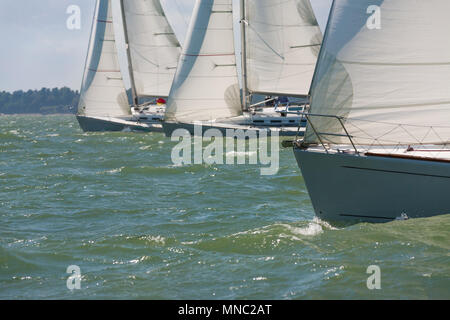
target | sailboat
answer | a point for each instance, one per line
(152, 52)
(281, 42)
(280, 46)
(376, 147)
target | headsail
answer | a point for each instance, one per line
(206, 85)
(154, 48)
(283, 43)
(103, 91)
(385, 69)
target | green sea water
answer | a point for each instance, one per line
(141, 228)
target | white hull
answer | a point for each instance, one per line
(150, 112)
(347, 187)
(292, 132)
(268, 121)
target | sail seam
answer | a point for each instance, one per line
(394, 63)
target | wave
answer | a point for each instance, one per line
(261, 240)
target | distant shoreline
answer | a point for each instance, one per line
(36, 114)
(55, 101)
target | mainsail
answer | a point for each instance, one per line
(153, 47)
(385, 70)
(283, 43)
(103, 91)
(206, 85)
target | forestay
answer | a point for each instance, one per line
(153, 46)
(103, 91)
(385, 69)
(206, 85)
(283, 43)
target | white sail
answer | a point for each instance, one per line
(385, 69)
(103, 91)
(153, 46)
(283, 43)
(206, 85)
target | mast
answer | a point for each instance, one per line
(135, 98)
(244, 57)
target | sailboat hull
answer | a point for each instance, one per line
(88, 124)
(171, 127)
(93, 124)
(347, 187)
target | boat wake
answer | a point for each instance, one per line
(265, 239)
(313, 228)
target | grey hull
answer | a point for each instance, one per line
(89, 124)
(96, 125)
(170, 128)
(374, 189)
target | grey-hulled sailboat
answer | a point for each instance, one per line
(377, 142)
(280, 42)
(103, 103)
(152, 52)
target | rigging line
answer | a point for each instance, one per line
(164, 34)
(435, 132)
(427, 150)
(426, 135)
(431, 130)
(374, 139)
(306, 46)
(395, 124)
(381, 139)
(262, 39)
(410, 134)
(367, 133)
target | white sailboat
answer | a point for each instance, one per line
(280, 42)
(377, 142)
(152, 51)
(103, 103)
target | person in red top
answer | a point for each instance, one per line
(161, 101)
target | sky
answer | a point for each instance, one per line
(38, 50)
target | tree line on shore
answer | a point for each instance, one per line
(44, 101)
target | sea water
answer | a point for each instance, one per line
(139, 227)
